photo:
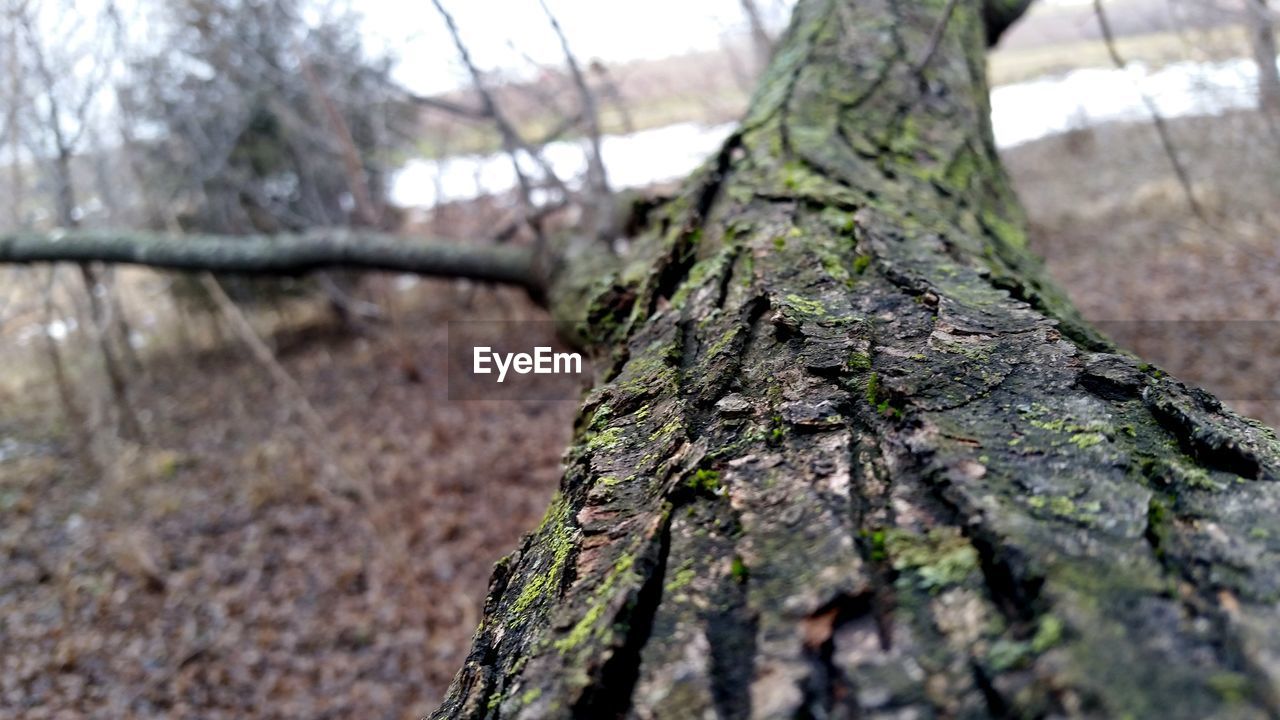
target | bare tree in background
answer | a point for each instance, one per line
(1260, 24)
(761, 43)
(262, 122)
(62, 98)
(599, 198)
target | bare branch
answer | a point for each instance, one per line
(1162, 128)
(761, 43)
(601, 199)
(277, 254)
(512, 143)
(448, 106)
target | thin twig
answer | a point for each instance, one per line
(447, 106)
(512, 143)
(1162, 129)
(317, 428)
(760, 40)
(601, 197)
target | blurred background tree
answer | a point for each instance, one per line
(251, 120)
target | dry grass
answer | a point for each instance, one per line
(1020, 63)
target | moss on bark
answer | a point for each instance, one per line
(937, 492)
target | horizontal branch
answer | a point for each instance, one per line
(277, 254)
(449, 107)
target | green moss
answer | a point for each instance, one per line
(704, 481)
(1087, 439)
(941, 558)
(681, 578)
(859, 361)
(648, 374)
(554, 529)
(582, 630)
(1008, 233)
(671, 428)
(961, 171)
(587, 625)
(879, 549)
(873, 389)
(1048, 634)
(693, 280)
(600, 417)
(778, 429)
(1065, 507)
(528, 697)
(1007, 654)
(1181, 472)
(604, 439)
(1158, 519)
(806, 306)
(977, 353)
(724, 341)
(1230, 686)
(878, 399)
(861, 263)
(739, 571)
(833, 265)
(800, 180)
(1082, 436)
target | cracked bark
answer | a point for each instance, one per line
(853, 456)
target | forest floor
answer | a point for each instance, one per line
(219, 570)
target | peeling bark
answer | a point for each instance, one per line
(853, 456)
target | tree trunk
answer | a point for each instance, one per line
(1262, 41)
(853, 456)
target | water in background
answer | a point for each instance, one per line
(1020, 113)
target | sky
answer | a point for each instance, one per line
(499, 32)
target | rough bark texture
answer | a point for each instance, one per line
(853, 457)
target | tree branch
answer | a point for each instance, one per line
(1157, 119)
(277, 254)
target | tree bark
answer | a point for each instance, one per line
(277, 254)
(853, 456)
(1262, 41)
